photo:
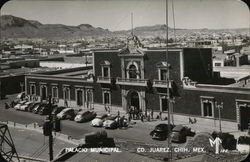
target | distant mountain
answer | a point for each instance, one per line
(160, 31)
(15, 27)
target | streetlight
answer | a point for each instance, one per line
(219, 107)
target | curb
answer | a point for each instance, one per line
(37, 128)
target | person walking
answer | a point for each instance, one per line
(133, 112)
(160, 115)
(152, 114)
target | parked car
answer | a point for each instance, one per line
(57, 110)
(98, 121)
(33, 105)
(25, 106)
(110, 122)
(180, 133)
(38, 108)
(67, 113)
(160, 132)
(20, 96)
(45, 110)
(17, 106)
(95, 138)
(85, 116)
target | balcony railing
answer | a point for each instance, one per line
(162, 83)
(106, 80)
(132, 81)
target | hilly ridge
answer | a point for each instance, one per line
(16, 27)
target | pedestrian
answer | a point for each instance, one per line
(65, 103)
(130, 113)
(190, 120)
(142, 116)
(133, 112)
(195, 120)
(160, 113)
(118, 121)
(136, 113)
(108, 109)
(152, 114)
(118, 113)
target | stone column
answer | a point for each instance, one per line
(142, 101)
(124, 100)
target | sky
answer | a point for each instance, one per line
(116, 14)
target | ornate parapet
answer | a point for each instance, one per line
(188, 83)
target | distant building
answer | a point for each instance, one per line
(23, 47)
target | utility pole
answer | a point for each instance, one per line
(172, 109)
(219, 107)
(132, 28)
(168, 91)
(50, 131)
(51, 124)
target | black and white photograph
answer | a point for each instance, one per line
(125, 81)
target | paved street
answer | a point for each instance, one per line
(136, 133)
(77, 130)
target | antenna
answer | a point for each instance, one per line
(132, 28)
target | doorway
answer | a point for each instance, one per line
(134, 100)
(244, 117)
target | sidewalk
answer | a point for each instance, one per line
(30, 143)
(202, 124)
(34, 146)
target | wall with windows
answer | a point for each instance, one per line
(112, 57)
(191, 103)
(152, 58)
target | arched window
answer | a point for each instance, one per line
(132, 71)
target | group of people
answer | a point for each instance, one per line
(134, 113)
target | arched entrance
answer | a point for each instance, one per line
(134, 100)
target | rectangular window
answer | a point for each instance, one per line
(207, 106)
(79, 96)
(44, 92)
(164, 104)
(32, 90)
(207, 109)
(163, 74)
(66, 94)
(106, 72)
(54, 92)
(106, 97)
(217, 64)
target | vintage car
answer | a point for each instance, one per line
(85, 116)
(67, 113)
(161, 132)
